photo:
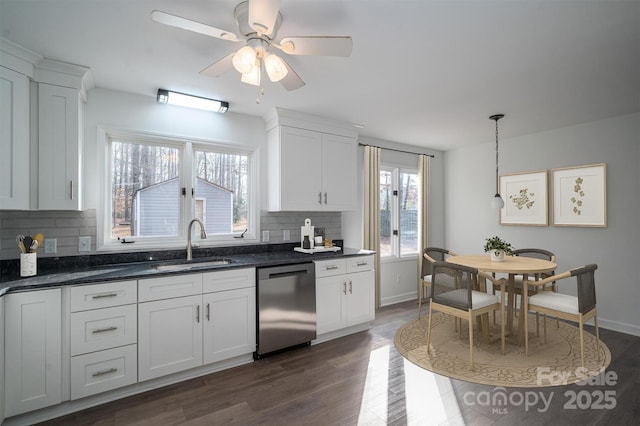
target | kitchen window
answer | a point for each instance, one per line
(398, 212)
(155, 186)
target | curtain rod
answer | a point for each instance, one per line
(397, 150)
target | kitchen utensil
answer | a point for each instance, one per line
(20, 242)
(27, 243)
(34, 246)
(39, 238)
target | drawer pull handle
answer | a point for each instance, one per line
(102, 330)
(330, 268)
(103, 372)
(362, 264)
(102, 296)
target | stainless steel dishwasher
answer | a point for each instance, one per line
(286, 307)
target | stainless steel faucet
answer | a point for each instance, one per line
(203, 235)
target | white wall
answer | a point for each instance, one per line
(470, 184)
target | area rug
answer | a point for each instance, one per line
(552, 364)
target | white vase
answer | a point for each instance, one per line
(497, 255)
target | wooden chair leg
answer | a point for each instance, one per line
(429, 332)
(581, 341)
(526, 337)
(470, 340)
(420, 300)
(545, 328)
(595, 321)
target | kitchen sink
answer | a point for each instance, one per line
(193, 264)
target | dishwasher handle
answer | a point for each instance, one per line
(275, 272)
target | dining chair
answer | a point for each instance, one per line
(429, 256)
(536, 253)
(453, 292)
(580, 308)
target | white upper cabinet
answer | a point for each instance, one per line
(312, 164)
(14, 140)
(60, 148)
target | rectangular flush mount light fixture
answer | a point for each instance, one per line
(182, 99)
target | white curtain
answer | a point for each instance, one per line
(424, 162)
(371, 209)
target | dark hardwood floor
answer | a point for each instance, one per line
(361, 379)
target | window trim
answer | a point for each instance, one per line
(187, 178)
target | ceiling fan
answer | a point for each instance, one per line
(258, 22)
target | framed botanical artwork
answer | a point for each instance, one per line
(525, 199)
(580, 196)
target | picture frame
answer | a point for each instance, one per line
(580, 196)
(525, 197)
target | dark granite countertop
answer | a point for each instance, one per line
(56, 272)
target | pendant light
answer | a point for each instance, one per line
(497, 202)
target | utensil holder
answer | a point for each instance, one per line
(28, 264)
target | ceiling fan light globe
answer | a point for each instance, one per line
(244, 59)
(275, 67)
(253, 76)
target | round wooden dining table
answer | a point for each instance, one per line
(512, 265)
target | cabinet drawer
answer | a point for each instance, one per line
(104, 295)
(358, 264)
(102, 371)
(230, 279)
(326, 268)
(169, 287)
(103, 329)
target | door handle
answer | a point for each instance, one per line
(344, 287)
(197, 313)
(320, 198)
(325, 198)
(208, 311)
(350, 287)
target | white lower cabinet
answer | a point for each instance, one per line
(180, 333)
(103, 337)
(169, 336)
(33, 350)
(102, 371)
(344, 293)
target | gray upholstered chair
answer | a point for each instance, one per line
(453, 291)
(580, 308)
(429, 256)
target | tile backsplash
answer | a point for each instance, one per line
(67, 226)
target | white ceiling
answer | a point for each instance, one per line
(425, 72)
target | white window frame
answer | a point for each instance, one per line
(104, 240)
(396, 170)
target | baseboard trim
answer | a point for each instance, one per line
(399, 298)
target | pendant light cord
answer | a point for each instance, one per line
(497, 189)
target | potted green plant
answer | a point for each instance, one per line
(497, 248)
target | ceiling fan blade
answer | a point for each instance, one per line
(263, 15)
(317, 45)
(189, 25)
(220, 67)
(292, 80)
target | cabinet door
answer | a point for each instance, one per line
(360, 304)
(339, 164)
(300, 169)
(33, 352)
(229, 324)
(331, 303)
(59, 148)
(169, 336)
(14, 140)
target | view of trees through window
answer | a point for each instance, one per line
(134, 167)
(227, 171)
(398, 212)
(146, 193)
